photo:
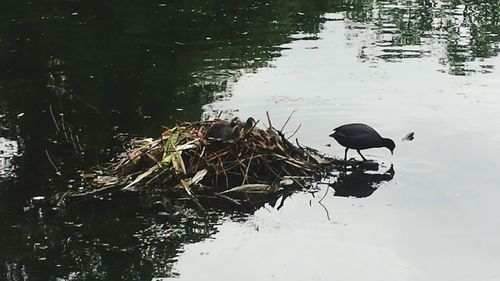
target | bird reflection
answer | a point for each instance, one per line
(360, 184)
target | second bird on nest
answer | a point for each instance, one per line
(225, 131)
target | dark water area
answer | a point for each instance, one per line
(130, 67)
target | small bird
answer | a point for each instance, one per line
(249, 124)
(223, 130)
(360, 136)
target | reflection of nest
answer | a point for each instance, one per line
(185, 161)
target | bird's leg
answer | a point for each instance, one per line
(364, 159)
(345, 156)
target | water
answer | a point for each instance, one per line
(427, 67)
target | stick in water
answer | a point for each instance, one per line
(52, 163)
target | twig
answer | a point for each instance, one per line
(269, 119)
(52, 163)
(223, 170)
(324, 195)
(294, 132)
(78, 143)
(62, 126)
(86, 103)
(287, 120)
(156, 176)
(53, 118)
(321, 203)
(228, 198)
(283, 198)
(188, 191)
(63, 196)
(300, 184)
(85, 195)
(248, 167)
(72, 139)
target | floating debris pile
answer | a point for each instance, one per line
(215, 157)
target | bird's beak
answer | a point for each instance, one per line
(331, 135)
(392, 152)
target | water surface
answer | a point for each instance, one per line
(428, 67)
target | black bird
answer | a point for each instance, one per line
(360, 136)
(223, 130)
(250, 124)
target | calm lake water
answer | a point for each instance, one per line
(429, 67)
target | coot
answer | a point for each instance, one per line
(360, 136)
(223, 130)
(249, 124)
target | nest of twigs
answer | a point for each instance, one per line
(214, 157)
